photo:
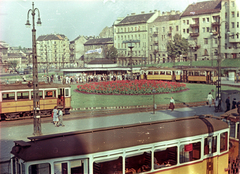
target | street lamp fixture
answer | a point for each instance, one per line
(36, 101)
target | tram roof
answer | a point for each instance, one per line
(112, 138)
(19, 86)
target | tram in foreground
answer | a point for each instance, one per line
(16, 100)
(181, 74)
(198, 144)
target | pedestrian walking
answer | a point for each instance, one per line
(234, 103)
(60, 116)
(172, 104)
(55, 116)
(209, 99)
(238, 107)
(228, 104)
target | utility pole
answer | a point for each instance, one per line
(36, 101)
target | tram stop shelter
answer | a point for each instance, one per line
(98, 66)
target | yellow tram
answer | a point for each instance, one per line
(197, 145)
(183, 74)
(16, 100)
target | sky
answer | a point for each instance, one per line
(72, 18)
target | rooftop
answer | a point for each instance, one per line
(133, 19)
(205, 7)
(99, 41)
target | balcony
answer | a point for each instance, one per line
(215, 33)
(215, 24)
(155, 33)
(155, 51)
(194, 34)
(196, 25)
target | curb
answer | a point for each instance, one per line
(163, 106)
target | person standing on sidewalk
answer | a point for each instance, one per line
(60, 116)
(210, 99)
(172, 104)
(234, 103)
(55, 116)
(228, 104)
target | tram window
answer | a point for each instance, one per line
(50, 94)
(202, 73)
(223, 141)
(113, 166)
(196, 73)
(190, 152)
(207, 141)
(168, 73)
(76, 166)
(23, 95)
(8, 96)
(67, 94)
(150, 73)
(165, 158)
(40, 94)
(162, 72)
(156, 73)
(190, 73)
(138, 164)
(60, 168)
(40, 169)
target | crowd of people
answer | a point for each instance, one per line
(86, 78)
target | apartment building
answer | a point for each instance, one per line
(161, 31)
(230, 30)
(77, 49)
(202, 24)
(53, 50)
(135, 28)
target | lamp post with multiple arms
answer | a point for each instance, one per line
(131, 45)
(36, 101)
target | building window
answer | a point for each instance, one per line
(150, 30)
(215, 40)
(225, 46)
(207, 19)
(187, 30)
(237, 24)
(184, 22)
(233, 14)
(176, 28)
(226, 15)
(238, 14)
(232, 24)
(187, 21)
(208, 29)
(204, 20)
(205, 40)
(233, 4)
(163, 29)
(203, 29)
(183, 30)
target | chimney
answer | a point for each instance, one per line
(142, 12)
(132, 14)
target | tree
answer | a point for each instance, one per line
(177, 47)
(112, 54)
(13, 64)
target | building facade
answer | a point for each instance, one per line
(133, 27)
(96, 48)
(161, 31)
(76, 48)
(53, 50)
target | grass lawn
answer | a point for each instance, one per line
(195, 93)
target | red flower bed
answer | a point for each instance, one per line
(136, 87)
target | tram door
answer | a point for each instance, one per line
(61, 98)
(210, 147)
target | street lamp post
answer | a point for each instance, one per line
(36, 101)
(130, 45)
(154, 107)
